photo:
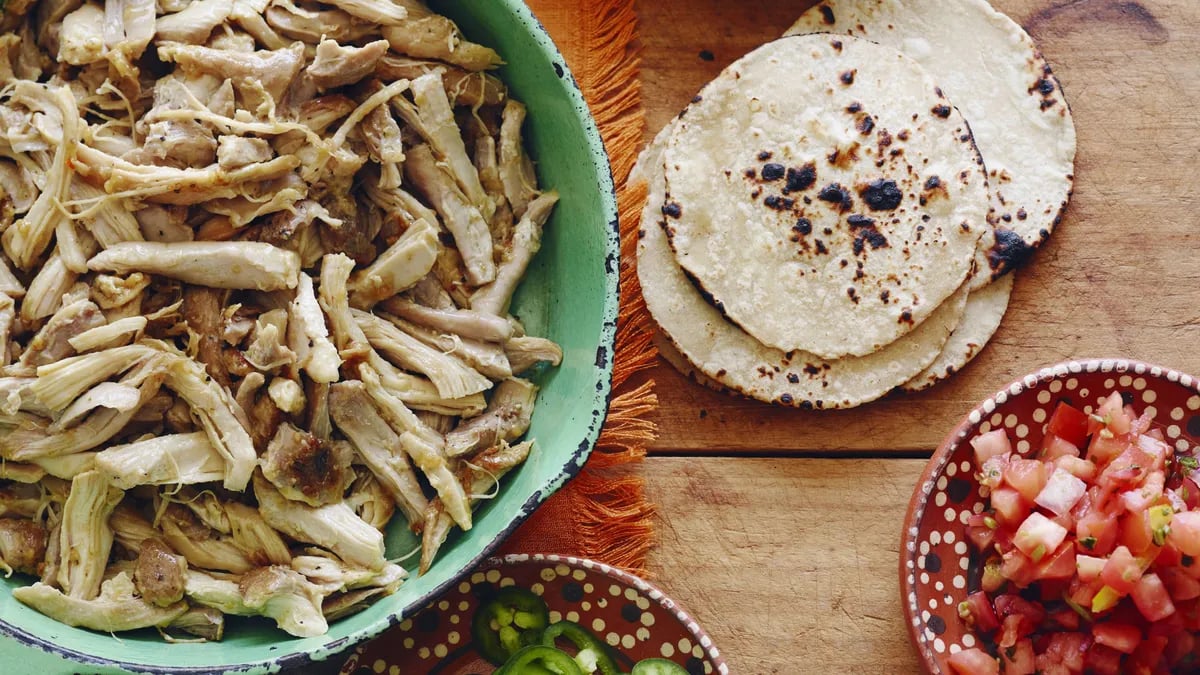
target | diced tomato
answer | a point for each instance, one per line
(1102, 549)
(1141, 425)
(991, 472)
(1184, 532)
(1088, 567)
(1190, 611)
(1096, 533)
(1170, 625)
(1058, 565)
(1135, 533)
(1010, 508)
(1106, 446)
(1077, 466)
(1068, 423)
(1068, 649)
(1151, 597)
(1126, 471)
(989, 445)
(1019, 618)
(979, 607)
(1179, 646)
(981, 534)
(1122, 637)
(1054, 447)
(1061, 492)
(1082, 593)
(1038, 535)
(1026, 476)
(1122, 571)
(1018, 568)
(1018, 659)
(973, 661)
(1146, 657)
(1116, 418)
(1102, 660)
(1144, 496)
(1191, 493)
(1062, 619)
(1179, 585)
(1155, 449)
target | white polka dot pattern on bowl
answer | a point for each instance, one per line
(937, 568)
(628, 613)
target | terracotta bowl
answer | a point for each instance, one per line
(633, 616)
(938, 567)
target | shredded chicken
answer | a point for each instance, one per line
(213, 264)
(506, 419)
(337, 65)
(116, 608)
(256, 258)
(159, 574)
(306, 468)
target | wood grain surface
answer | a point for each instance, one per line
(789, 564)
(1118, 278)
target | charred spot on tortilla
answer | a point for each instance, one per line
(854, 108)
(764, 156)
(1044, 86)
(865, 125)
(1010, 251)
(821, 247)
(803, 226)
(847, 77)
(853, 293)
(885, 296)
(844, 158)
(778, 203)
(869, 236)
(859, 220)
(773, 172)
(941, 110)
(672, 210)
(827, 14)
(801, 179)
(882, 195)
(906, 316)
(834, 193)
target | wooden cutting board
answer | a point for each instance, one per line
(1120, 277)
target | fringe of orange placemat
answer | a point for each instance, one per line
(603, 513)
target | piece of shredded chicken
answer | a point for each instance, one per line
(256, 262)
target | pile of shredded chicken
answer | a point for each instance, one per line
(254, 299)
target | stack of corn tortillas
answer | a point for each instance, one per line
(837, 214)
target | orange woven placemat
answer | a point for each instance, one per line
(602, 514)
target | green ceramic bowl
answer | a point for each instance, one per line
(569, 295)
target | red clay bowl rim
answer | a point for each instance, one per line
(651, 591)
(937, 462)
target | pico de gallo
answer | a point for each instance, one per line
(1091, 550)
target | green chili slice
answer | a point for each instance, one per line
(539, 660)
(512, 619)
(658, 667)
(583, 640)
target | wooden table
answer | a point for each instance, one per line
(779, 529)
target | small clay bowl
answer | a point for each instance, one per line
(938, 566)
(633, 616)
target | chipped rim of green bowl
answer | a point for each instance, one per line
(562, 85)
